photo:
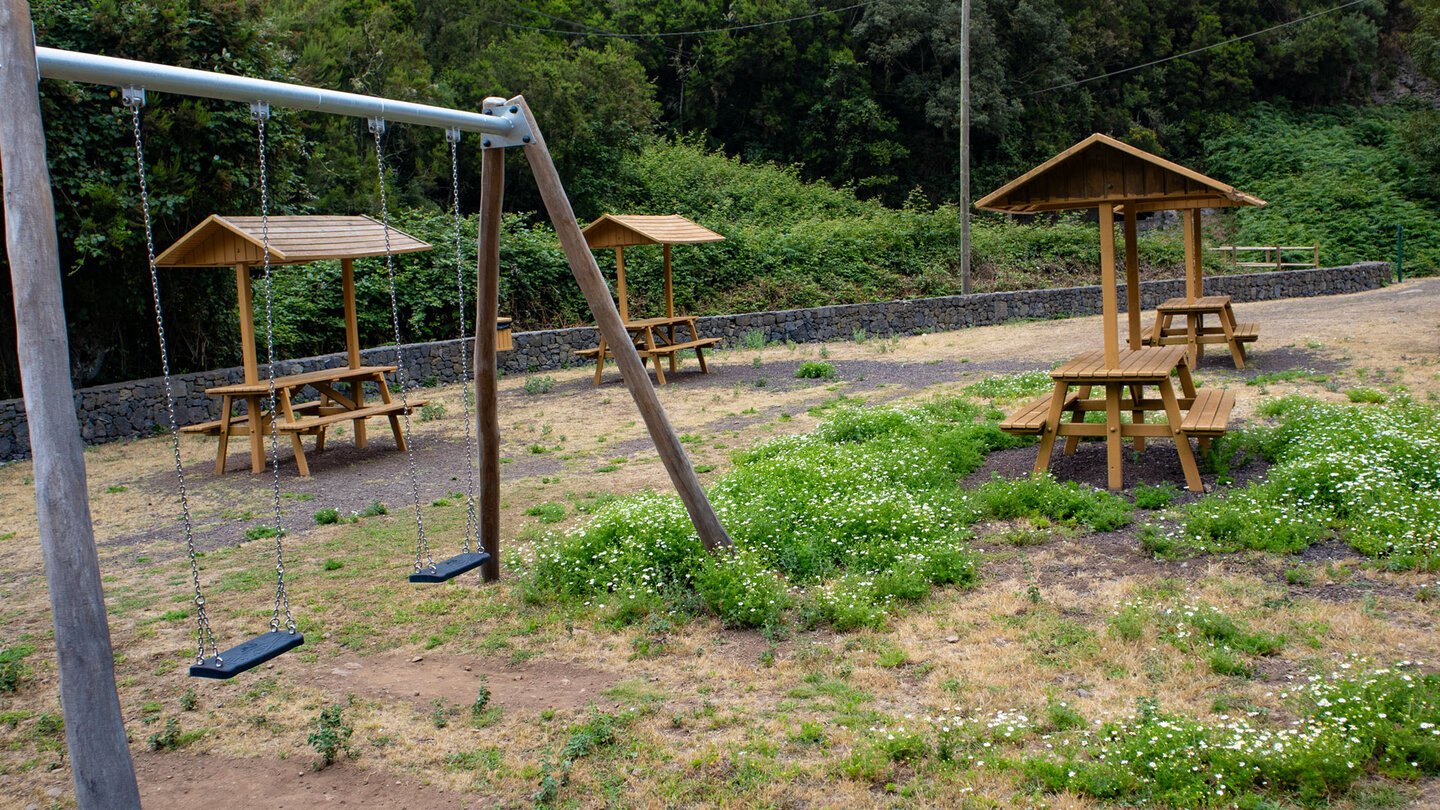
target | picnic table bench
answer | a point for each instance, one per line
(1199, 413)
(656, 338)
(303, 419)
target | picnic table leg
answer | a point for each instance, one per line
(295, 440)
(1187, 385)
(1182, 442)
(600, 360)
(1192, 342)
(1076, 415)
(1112, 435)
(1052, 427)
(320, 433)
(1236, 352)
(700, 355)
(650, 344)
(1137, 414)
(257, 434)
(357, 393)
(224, 435)
(394, 419)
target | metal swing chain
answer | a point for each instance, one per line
(134, 98)
(423, 558)
(467, 387)
(260, 111)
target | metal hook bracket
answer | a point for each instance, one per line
(452, 134)
(377, 126)
(132, 97)
(260, 110)
(519, 134)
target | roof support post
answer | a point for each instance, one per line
(669, 288)
(1132, 277)
(1193, 284)
(1110, 304)
(100, 766)
(612, 328)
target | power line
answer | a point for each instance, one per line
(1199, 50)
(598, 33)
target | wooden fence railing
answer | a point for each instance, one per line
(1274, 255)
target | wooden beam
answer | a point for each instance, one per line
(487, 398)
(620, 283)
(612, 328)
(99, 755)
(1199, 253)
(1132, 278)
(669, 287)
(243, 302)
(1192, 253)
(1110, 304)
(352, 327)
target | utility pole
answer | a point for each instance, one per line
(100, 763)
(965, 147)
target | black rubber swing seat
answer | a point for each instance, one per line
(451, 568)
(249, 655)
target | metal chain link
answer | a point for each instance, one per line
(423, 558)
(467, 386)
(204, 636)
(260, 111)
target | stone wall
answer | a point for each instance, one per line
(137, 408)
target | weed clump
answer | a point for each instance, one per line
(330, 734)
(812, 370)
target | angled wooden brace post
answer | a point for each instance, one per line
(100, 765)
(607, 318)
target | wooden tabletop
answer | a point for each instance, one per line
(297, 380)
(660, 321)
(1149, 363)
(1206, 303)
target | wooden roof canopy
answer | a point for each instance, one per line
(615, 230)
(229, 241)
(620, 231)
(1101, 170)
(1117, 178)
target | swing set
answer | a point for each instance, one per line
(95, 735)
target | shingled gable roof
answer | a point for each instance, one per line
(617, 230)
(228, 241)
(1101, 170)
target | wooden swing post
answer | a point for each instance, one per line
(487, 402)
(612, 329)
(103, 775)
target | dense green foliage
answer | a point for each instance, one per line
(724, 127)
(1342, 179)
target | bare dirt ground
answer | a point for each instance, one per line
(403, 659)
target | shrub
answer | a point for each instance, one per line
(815, 371)
(431, 411)
(753, 339)
(327, 516)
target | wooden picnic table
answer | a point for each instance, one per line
(655, 338)
(1198, 413)
(1195, 334)
(311, 418)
